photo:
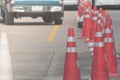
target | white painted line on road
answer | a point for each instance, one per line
(5, 59)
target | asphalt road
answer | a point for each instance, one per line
(37, 50)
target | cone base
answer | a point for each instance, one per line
(118, 59)
(116, 75)
(118, 68)
(87, 40)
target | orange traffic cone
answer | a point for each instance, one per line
(80, 12)
(98, 24)
(87, 20)
(100, 16)
(99, 67)
(103, 20)
(80, 8)
(109, 50)
(93, 28)
(71, 68)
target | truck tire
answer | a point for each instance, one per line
(3, 15)
(47, 18)
(9, 20)
(58, 21)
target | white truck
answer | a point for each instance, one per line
(49, 10)
(106, 2)
(70, 2)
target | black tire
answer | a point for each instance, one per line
(58, 21)
(2, 15)
(9, 19)
(48, 18)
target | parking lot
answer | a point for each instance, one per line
(37, 50)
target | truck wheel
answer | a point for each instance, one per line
(58, 21)
(48, 18)
(2, 15)
(9, 20)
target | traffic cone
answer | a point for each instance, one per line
(108, 23)
(99, 67)
(80, 8)
(71, 68)
(114, 49)
(103, 20)
(80, 13)
(5, 59)
(110, 51)
(100, 17)
(93, 28)
(87, 21)
(98, 24)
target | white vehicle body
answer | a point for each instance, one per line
(70, 2)
(106, 2)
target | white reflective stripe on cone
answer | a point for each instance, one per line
(81, 5)
(98, 34)
(108, 40)
(107, 30)
(91, 44)
(71, 49)
(99, 15)
(87, 16)
(71, 39)
(81, 1)
(94, 12)
(87, 10)
(99, 44)
(91, 49)
(99, 21)
(102, 17)
(103, 31)
(94, 18)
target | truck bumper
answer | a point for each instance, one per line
(23, 9)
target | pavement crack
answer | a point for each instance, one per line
(49, 65)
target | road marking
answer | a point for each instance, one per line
(53, 33)
(5, 59)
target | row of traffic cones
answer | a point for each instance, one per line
(104, 54)
(98, 31)
(80, 13)
(99, 67)
(104, 61)
(87, 21)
